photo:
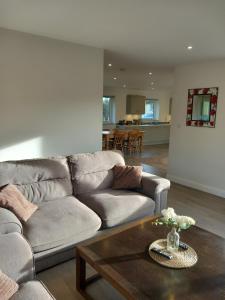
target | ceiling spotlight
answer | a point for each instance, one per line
(152, 83)
(114, 78)
(110, 65)
(153, 88)
(124, 85)
(150, 73)
(189, 47)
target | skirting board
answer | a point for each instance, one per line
(197, 186)
(149, 143)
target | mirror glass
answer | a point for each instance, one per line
(201, 108)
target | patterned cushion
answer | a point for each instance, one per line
(8, 287)
(127, 177)
(12, 199)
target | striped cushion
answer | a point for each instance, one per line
(8, 287)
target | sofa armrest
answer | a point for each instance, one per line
(16, 259)
(156, 188)
(9, 222)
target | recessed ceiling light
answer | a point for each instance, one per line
(124, 85)
(114, 78)
(153, 88)
(152, 83)
(189, 47)
(110, 65)
(150, 73)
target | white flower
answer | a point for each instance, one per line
(184, 222)
(170, 218)
(169, 213)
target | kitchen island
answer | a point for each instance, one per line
(153, 133)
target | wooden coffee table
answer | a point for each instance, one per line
(121, 257)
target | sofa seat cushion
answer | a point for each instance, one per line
(118, 206)
(59, 222)
(32, 290)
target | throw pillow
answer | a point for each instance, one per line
(8, 287)
(12, 199)
(127, 177)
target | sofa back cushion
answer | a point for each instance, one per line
(38, 179)
(92, 171)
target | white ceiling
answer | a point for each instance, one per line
(137, 34)
(138, 78)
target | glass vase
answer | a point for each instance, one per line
(173, 240)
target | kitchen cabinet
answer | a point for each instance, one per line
(135, 105)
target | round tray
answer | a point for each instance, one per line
(181, 258)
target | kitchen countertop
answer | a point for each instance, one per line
(144, 125)
(154, 134)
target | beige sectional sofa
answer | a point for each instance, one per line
(75, 201)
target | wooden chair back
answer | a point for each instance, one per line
(119, 139)
(133, 141)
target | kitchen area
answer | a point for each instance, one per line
(137, 108)
(147, 117)
(141, 114)
(154, 133)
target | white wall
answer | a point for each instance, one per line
(120, 95)
(50, 95)
(197, 155)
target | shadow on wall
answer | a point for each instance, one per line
(27, 149)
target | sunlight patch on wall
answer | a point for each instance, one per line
(28, 149)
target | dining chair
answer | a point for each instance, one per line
(133, 142)
(119, 140)
(104, 142)
(140, 140)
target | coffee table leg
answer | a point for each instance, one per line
(80, 272)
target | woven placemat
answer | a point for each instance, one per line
(181, 258)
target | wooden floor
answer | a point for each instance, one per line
(208, 211)
(61, 280)
(154, 159)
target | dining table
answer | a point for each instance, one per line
(108, 135)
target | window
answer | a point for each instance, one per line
(108, 109)
(151, 109)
